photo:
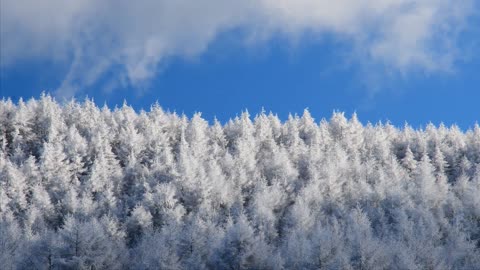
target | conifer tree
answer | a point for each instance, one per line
(83, 187)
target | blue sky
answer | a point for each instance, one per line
(388, 72)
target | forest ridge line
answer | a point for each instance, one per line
(84, 187)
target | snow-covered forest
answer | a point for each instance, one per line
(83, 187)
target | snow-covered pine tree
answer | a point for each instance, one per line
(85, 187)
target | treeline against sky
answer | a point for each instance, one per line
(83, 187)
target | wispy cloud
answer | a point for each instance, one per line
(135, 37)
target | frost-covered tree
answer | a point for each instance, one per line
(83, 187)
(87, 245)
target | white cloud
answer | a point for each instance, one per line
(138, 36)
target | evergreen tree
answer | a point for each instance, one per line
(83, 187)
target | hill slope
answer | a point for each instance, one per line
(84, 187)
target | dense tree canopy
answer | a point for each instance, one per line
(83, 187)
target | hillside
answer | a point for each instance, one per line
(83, 187)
